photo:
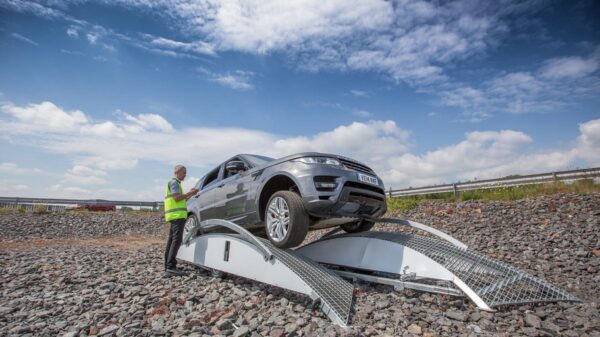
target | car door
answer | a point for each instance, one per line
(206, 196)
(231, 195)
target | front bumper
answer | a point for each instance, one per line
(350, 198)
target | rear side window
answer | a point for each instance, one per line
(211, 177)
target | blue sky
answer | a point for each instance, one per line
(100, 99)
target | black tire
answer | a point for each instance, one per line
(298, 220)
(189, 225)
(357, 227)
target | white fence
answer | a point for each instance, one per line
(456, 188)
(61, 204)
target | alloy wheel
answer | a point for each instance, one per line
(278, 219)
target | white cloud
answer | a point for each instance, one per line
(238, 80)
(150, 122)
(372, 141)
(552, 87)
(14, 169)
(46, 115)
(24, 39)
(481, 155)
(195, 47)
(125, 142)
(359, 93)
(72, 32)
(70, 192)
(568, 67)
(92, 38)
(588, 146)
(12, 189)
(408, 41)
(362, 113)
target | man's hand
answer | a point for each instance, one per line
(186, 196)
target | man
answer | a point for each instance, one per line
(176, 214)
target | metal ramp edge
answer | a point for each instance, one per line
(488, 282)
(242, 254)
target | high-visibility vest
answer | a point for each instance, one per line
(174, 209)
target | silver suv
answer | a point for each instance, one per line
(284, 198)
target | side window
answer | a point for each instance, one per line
(211, 177)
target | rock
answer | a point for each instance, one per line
(277, 332)
(532, 320)
(551, 327)
(108, 330)
(455, 315)
(223, 324)
(290, 327)
(382, 304)
(242, 331)
(414, 329)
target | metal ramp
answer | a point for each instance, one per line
(439, 265)
(428, 264)
(245, 255)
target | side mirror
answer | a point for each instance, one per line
(235, 166)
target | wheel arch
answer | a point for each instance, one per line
(277, 182)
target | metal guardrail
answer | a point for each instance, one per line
(47, 201)
(496, 183)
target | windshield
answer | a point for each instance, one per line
(257, 160)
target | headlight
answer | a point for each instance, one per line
(319, 160)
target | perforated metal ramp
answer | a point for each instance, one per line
(245, 255)
(335, 292)
(494, 282)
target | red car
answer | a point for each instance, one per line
(93, 208)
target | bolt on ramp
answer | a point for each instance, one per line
(494, 282)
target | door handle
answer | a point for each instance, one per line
(221, 185)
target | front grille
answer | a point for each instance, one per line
(364, 187)
(354, 166)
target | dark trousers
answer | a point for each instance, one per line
(173, 243)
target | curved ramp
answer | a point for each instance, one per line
(489, 283)
(247, 256)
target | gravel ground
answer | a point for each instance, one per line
(18, 226)
(82, 286)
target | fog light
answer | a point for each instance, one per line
(319, 184)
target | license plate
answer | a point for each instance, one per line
(368, 179)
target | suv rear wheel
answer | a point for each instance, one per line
(359, 226)
(286, 221)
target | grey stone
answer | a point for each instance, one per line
(532, 320)
(242, 331)
(108, 330)
(455, 315)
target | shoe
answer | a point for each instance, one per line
(175, 272)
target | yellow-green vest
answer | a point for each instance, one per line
(174, 209)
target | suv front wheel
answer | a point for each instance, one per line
(286, 221)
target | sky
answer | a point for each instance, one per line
(101, 99)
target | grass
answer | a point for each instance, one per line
(584, 186)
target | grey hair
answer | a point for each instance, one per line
(178, 168)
